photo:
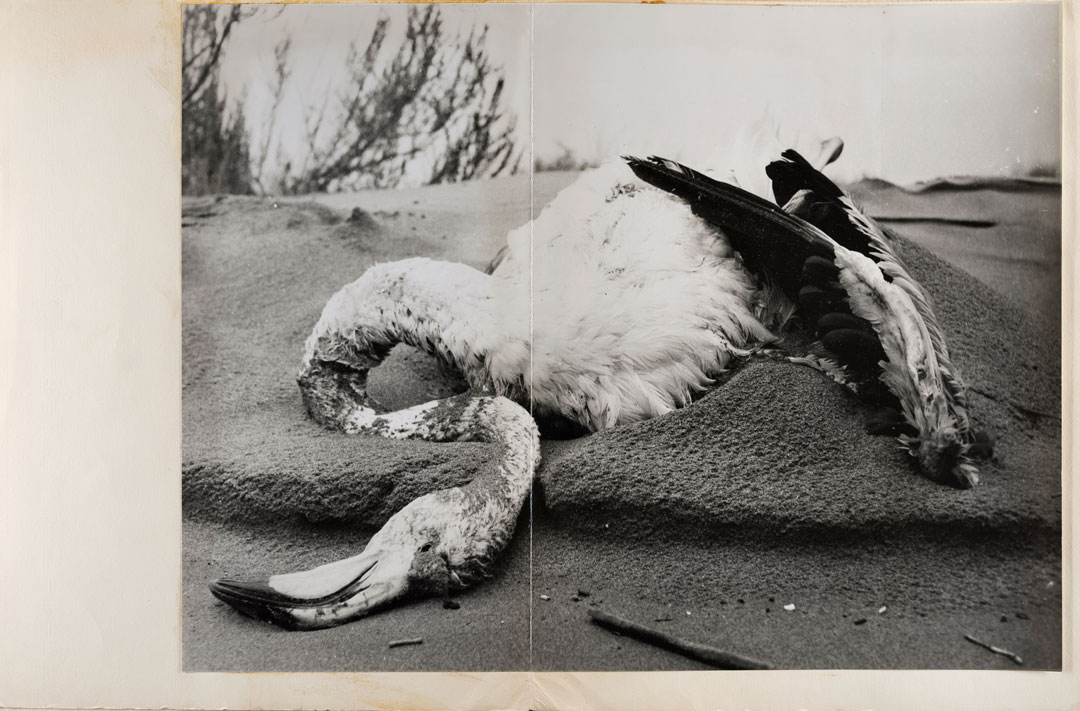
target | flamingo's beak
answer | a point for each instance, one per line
(326, 596)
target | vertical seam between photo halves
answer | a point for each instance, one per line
(535, 453)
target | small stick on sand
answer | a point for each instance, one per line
(701, 652)
(996, 650)
(406, 642)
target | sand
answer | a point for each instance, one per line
(765, 490)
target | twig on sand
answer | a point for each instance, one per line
(406, 642)
(996, 650)
(701, 652)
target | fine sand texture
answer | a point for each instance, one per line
(708, 524)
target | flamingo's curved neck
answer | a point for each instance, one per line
(475, 521)
(442, 308)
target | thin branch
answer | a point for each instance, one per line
(701, 652)
(211, 63)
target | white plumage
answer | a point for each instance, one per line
(614, 305)
(636, 302)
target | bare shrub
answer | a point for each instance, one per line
(215, 153)
(429, 111)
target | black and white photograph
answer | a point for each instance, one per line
(573, 337)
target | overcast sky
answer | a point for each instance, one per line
(916, 92)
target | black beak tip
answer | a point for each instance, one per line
(251, 600)
(235, 590)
